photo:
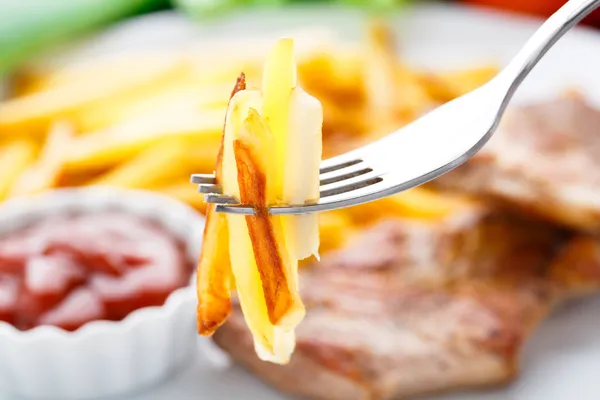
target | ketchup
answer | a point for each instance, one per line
(70, 270)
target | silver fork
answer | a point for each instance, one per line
(427, 148)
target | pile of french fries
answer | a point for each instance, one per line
(148, 120)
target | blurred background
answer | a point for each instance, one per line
(116, 120)
(31, 25)
(84, 104)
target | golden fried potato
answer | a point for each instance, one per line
(176, 95)
(41, 76)
(444, 87)
(394, 96)
(44, 173)
(271, 154)
(269, 257)
(335, 228)
(418, 203)
(15, 157)
(33, 113)
(118, 143)
(183, 191)
(162, 163)
(214, 278)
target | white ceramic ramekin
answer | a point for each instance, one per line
(102, 358)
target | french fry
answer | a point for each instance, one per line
(336, 75)
(418, 203)
(444, 87)
(120, 142)
(79, 178)
(34, 112)
(265, 243)
(271, 342)
(214, 278)
(15, 157)
(184, 192)
(44, 173)
(301, 179)
(177, 95)
(335, 228)
(296, 121)
(337, 81)
(22, 83)
(46, 74)
(393, 93)
(152, 168)
(266, 135)
(162, 163)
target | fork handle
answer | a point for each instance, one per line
(542, 40)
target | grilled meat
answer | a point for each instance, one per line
(411, 308)
(545, 159)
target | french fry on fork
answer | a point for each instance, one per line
(214, 277)
(271, 154)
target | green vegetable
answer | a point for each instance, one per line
(376, 5)
(28, 26)
(200, 9)
(207, 8)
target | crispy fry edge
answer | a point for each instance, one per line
(267, 253)
(214, 277)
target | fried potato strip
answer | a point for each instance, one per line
(15, 158)
(267, 252)
(45, 172)
(262, 132)
(214, 278)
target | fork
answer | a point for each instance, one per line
(427, 148)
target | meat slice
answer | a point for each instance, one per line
(577, 266)
(544, 158)
(472, 244)
(405, 310)
(340, 358)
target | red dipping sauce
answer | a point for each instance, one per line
(72, 269)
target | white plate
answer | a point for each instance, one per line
(563, 358)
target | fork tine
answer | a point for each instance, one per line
(216, 198)
(327, 166)
(349, 185)
(344, 173)
(345, 196)
(333, 164)
(202, 179)
(351, 179)
(235, 209)
(206, 188)
(370, 190)
(341, 187)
